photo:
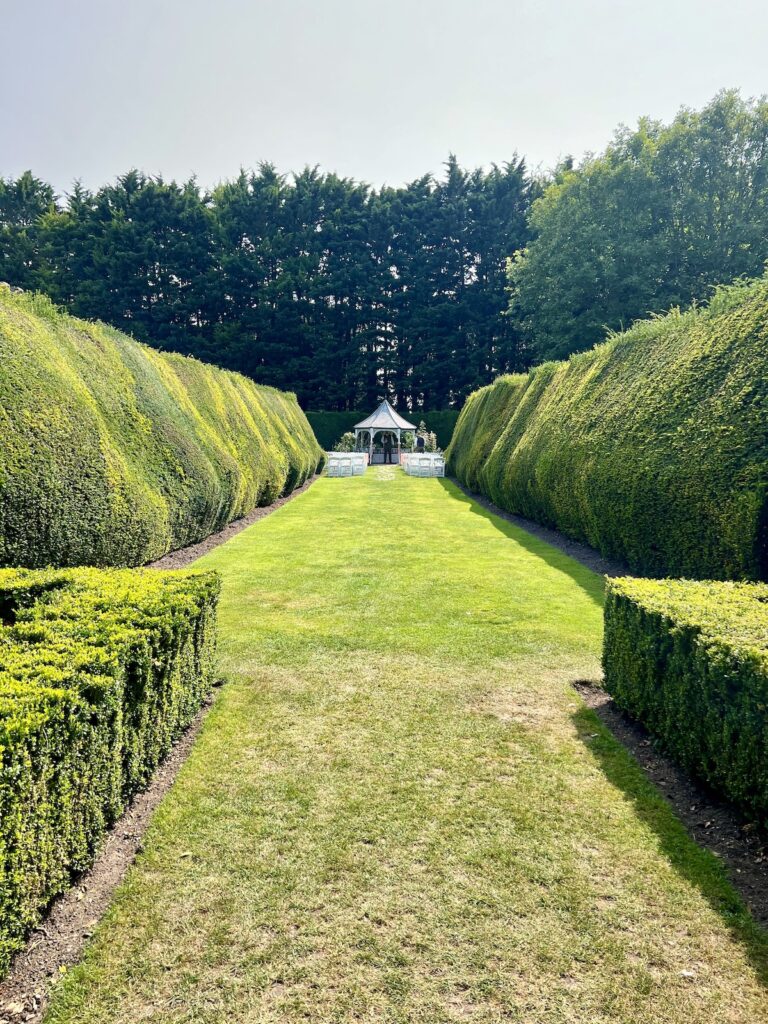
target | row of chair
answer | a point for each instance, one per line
(424, 464)
(414, 463)
(346, 463)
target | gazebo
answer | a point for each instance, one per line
(384, 421)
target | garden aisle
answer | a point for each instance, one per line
(399, 811)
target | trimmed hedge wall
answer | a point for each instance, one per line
(482, 421)
(652, 448)
(100, 670)
(690, 661)
(112, 453)
(329, 426)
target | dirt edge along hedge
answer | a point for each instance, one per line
(652, 448)
(690, 661)
(100, 671)
(112, 453)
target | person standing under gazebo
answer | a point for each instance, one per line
(385, 420)
(387, 448)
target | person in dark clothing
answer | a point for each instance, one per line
(419, 443)
(387, 447)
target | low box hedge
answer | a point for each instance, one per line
(690, 661)
(100, 671)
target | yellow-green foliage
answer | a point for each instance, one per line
(100, 670)
(690, 660)
(112, 453)
(652, 447)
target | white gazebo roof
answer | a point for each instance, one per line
(385, 418)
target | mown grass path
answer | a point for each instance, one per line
(399, 810)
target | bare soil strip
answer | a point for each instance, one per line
(712, 824)
(58, 943)
(581, 553)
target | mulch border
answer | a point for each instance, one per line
(718, 827)
(582, 553)
(58, 941)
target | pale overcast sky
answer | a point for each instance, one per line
(379, 91)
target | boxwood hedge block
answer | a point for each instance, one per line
(100, 670)
(690, 661)
(652, 448)
(112, 453)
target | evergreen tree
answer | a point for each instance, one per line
(23, 203)
(317, 283)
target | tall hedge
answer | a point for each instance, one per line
(481, 421)
(690, 661)
(100, 670)
(112, 453)
(652, 448)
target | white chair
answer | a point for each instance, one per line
(346, 463)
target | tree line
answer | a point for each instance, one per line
(662, 216)
(343, 293)
(316, 284)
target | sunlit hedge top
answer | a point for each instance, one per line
(77, 635)
(734, 615)
(652, 447)
(112, 453)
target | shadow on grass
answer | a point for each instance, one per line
(692, 862)
(591, 582)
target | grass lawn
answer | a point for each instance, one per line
(398, 809)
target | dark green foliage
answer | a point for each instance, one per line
(690, 661)
(347, 294)
(100, 670)
(318, 284)
(441, 422)
(666, 213)
(653, 447)
(113, 454)
(329, 426)
(23, 203)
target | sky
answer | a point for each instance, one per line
(377, 90)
